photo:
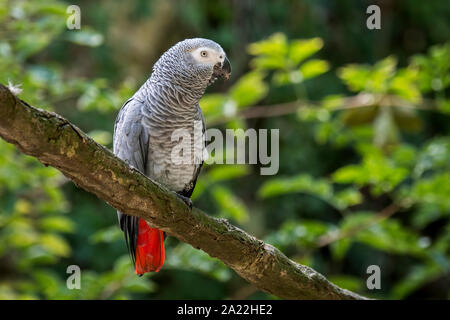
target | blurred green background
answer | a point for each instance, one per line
(364, 118)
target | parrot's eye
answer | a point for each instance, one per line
(204, 53)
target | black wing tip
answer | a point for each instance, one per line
(129, 226)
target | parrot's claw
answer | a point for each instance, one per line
(186, 200)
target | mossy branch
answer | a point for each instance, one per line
(56, 142)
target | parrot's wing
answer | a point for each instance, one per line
(187, 192)
(131, 145)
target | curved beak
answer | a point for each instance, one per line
(222, 69)
(226, 68)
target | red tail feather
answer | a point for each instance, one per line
(149, 249)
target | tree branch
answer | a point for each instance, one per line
(361, 100)
(56, 142)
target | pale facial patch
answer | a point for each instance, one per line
(208, 56)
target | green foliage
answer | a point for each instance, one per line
(286, 59)
(302, 234)
(347, 282)
(33, 220)
(434, 68)
(414, 177)
(86, 37)
(276, 53)
(315, 187)
(231, 206)
(382, 78)
(183, 256)
(248, 90)
(389, 235)
(380, 172)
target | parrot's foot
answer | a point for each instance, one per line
(186, 200)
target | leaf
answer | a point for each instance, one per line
(347, 197)
(376, 170)
(98, 96)
(299, 50)
(405, 85)
(230, 206)
(122, 265)
(107, 235)
(333, 101)
(30, 44)
(48, 282)
(388, 235)
(404, 155)
(249, 89)
(426, 213)
(223, 173)
(101, 136)
(303, 233)
(60, 224)
(435, 155)
(434, 190)
(347, 282)
(359, 116)
(369, 78)
(268, 62)
(313, 113)
(85, 37)
(270, 52)
(299, 183)
(185, 257)
(351, 174)
(433, 68)
(355, 76)
(313, 186)
(135, 284)
(282, 77)
(55, 8)
(212, 105)
(276, 44)
(313, 68)
(416, 278)
(382, 71)
(55, 244)
(340, 248)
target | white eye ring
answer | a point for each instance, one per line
(204, 53)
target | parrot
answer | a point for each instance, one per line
(167, 101)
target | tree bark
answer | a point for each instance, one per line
(56, 142)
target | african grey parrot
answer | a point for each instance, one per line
(166, 102)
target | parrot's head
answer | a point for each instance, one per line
(193, 63)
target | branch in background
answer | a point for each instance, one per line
(361, 100)
(56, 142)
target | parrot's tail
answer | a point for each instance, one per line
(149, 249)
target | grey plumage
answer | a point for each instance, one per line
(167, 101)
